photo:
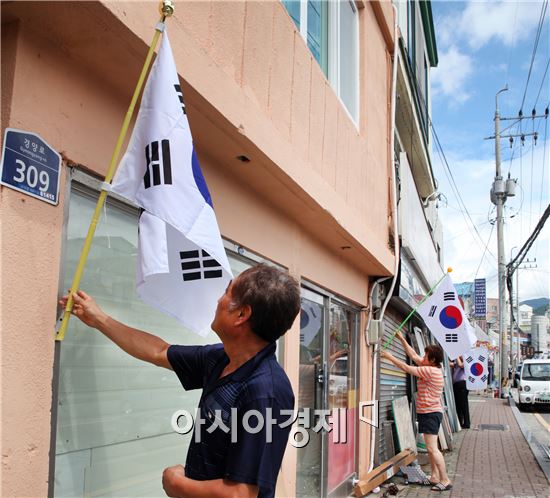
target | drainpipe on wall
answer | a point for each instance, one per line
(396, 235)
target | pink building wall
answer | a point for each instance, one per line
(316, 182)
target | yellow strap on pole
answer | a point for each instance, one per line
(167, 9)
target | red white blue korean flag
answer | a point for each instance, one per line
(444, 316)
(475, 368)
(182, 265)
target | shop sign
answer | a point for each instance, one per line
(30, 165)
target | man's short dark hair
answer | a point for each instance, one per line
(274, 297)
(435, 354)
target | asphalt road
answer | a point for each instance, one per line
(537, 419)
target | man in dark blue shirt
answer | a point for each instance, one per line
(238, 444)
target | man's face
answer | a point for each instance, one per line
(223, 315)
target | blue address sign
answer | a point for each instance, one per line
(30, 165)
(480, 299)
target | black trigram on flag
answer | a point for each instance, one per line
(448, 296)
(432, 311)
(155, 157)
(451, 337)
(469, 359)
(484, 378)
(197, 265)
(471, 379)
(180, 96)
(481, 358)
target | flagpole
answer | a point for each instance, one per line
(402, 324)
(167, 9)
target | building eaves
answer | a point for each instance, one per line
(417, 148)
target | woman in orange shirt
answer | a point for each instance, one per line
(429, 410)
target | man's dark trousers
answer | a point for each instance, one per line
(462, 408)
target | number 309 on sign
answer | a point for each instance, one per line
(32, 177)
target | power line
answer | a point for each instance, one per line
(520, 256)
(543, 164)
(456, 191)
(462, 232)
(535, 47)
(546, 112)
(485, 250)
(513, 265)
(515, 145)
(465, 213)
(447, 205)
(522, 195)
(542, 176)
(513, 42)
(542, 83)
(513, 124)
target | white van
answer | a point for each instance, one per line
(534, 383)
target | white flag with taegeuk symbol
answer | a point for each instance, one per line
(182, 265)
(476, 368)
(443, 314)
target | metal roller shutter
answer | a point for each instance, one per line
(392, 384)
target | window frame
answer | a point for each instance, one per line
(331, 62)
(334, 50)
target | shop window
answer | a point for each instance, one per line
(331, 31)
(114, 433)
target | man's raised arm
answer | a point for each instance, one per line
(139, 344)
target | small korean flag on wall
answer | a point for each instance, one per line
(475, 368)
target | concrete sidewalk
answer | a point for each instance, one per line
(488, 463)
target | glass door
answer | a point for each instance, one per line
(343, 324)
(326, 397)
(311, 394)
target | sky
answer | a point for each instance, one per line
(483, 46)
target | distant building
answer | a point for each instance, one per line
(492, 314)
(525, 314)
(539, 333)
(492, 308)
(465, 291)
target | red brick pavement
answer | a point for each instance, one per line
(489, 464)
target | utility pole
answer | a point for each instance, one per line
(499, 194)
(512, 319)
(517, 314)
(500, 191)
